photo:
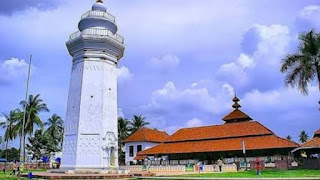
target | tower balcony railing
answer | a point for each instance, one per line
(98, 32)
(99, 14)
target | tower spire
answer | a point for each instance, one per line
(236, 105)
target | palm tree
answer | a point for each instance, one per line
(55, 128)
(304, 66)
(123, 133)
(10, 134)
(289, 138)
(137, 122)
(303, 136)
(123, 128)
(33, 107)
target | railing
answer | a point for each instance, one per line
(99, 14)
(131, 168)
(167, 168)
(98, 32)
(215, 168)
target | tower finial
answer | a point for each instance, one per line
(100, 1)
(236, 100)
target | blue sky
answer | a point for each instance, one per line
(184, 59)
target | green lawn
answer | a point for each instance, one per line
(266, 173)
(7, 176)
(14, 177)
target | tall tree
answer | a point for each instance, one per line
(123, 133)
(303, 136)
(10, 134)
(137, 122)
(55, 129)
(33, 106)
(303, 66)
(123, 128)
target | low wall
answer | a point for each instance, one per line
(167, 168)
(215, 168)
(27, 166)
(181, 168)
(131, 168)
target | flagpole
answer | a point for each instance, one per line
(22, 151)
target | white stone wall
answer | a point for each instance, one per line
(145, 145)
(91, 120)
(72, 117)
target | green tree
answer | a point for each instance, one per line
(55, 129)
(303, 136)
(10, 134)
(10, 154)
(123, 133)
(41, 144)
(33, 106)
(123, 128)
(137, 122)
(289, 138)
(303, 66)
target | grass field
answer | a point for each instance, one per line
(265, 174)
(8, 177)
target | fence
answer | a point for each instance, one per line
(98, 32)
(99, 14)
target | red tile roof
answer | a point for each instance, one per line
(239, 129)
(236, 115)
(317, 132)
(230, 144)
(315, 142)
(147, 135)
(140, 157)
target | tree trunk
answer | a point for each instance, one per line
(24, 148)
(6, 149)
(318, 74)
(21, 148)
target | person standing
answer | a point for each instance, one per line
(258, 167)
(14, 168)
(220, 165)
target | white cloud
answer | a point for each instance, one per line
(190, 99)
(269, 44)
(233, 73)
(165, 63)
(124, 74)
(310, 10)
(308, 18)
(245, 61)
(283, 99)
(195, 122)
(274, 43)
(13, 69)
(2, 119)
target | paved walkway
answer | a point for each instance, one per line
(177, 178)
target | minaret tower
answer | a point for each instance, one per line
(91, 133)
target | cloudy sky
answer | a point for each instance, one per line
(184, 59)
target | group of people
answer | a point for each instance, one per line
(258, 165)
(16, 169)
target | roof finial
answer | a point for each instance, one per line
(236, 100)
(100, 1)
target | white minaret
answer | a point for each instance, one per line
(91, 133)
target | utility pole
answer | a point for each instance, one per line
(245, 154)
(22, 146)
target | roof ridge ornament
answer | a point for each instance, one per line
(236, 105)
(100, 1)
